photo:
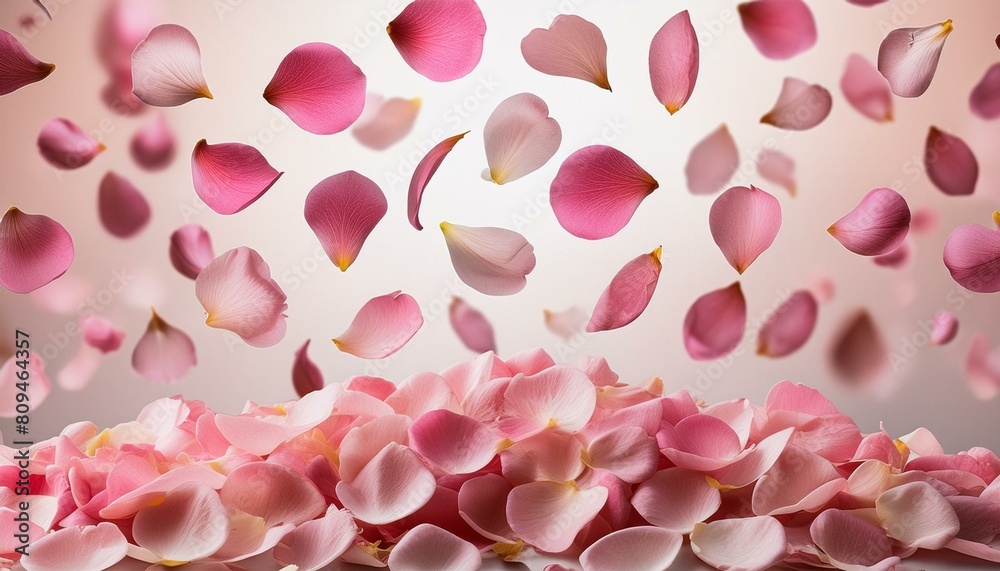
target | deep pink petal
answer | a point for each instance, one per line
(560, 398)
(851, 541)
(908, 57)
(744, 222)
(471, 326)
(481, 503)
(38, 387)
(427, 547)
(441, 40)
(494, 261)
(93, 547)
(385, 123)
(164, 353)
(65, 145)
(520, 138)
(712, 162)
(342, 211)
(316, 543)
(777, 167)
(950, 164)
(392, 486)
(715, 323)
(34, 250)
(230, 176)
(239, 295)
(298, 500)
(166, 68)
(898, 258)
(789, 327)
(972, 256)
(866, 90)
(917, 515)
(858, 353)
(306, 376)
(319, 88)
(945, 328)
(191, 250)
(641, 547)
(877, 225)
(800, 481)
(780, 29)
(101, 334)
(422, 174)
(548, 515)
(985, 97)
(982, 368)
(18, 67)
(153, 146)
(597, 190)
(570, 47)
(747, 544)
(382, 326)
(190, 524)
(628, 294)
(123, 210)
(673, 62)
(676, 499)
(800, 106)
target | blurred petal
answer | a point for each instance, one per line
(239, 295)
(124, 211)
(945, 328)
(924, 220)
(342, 211)
(18, 67)
(570, 47)
(422, 174)
(86, 548)
(597, 190)
(715, 323)
(897, 258)
(79, 370)
(230, 176)
(985, 97)
(744, 222)
(673, 62)
(859, 354)
(520, 137)
(676, 499)
(316, 543)
(560, 398)
(453, 442)
(319, 88)
(780, 29)
(472, 327)
(39, 385)
(427, 547)
(441, 40)
(628, 294)
(866, 90)
(712, 162)
(851, 542)
(566, 323)
(392, 486)
(101, 334)
(389, 122)
(548, 515)
(877, 225)
(972, 255)
(494, 261)
(191, 250)
(152, 146)
(64, 145)
(777, 167)
(190, 524)
(166, 68)
(748, 544)
(34, 250)
(164, 353)
(908, 57)
(950, 164)
(641, 547)
(982, 368)
(800, 106)
(917, 515)
(306, 376)
(789, 327)
(382, 326)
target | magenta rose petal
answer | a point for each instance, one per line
(985, 97)
(191, 250)
(859, 354)
(306, 376)
(18, 67)
(472, 327)
(950, 163)
(34, 250)
(66, 146)
(789, 327)
(230, 176)
(972, 256)
(876, 226)
(628, 294)
(780, 29)
(441, 40)
(422, 174)
(342, 210)
(715, 323)
(153, 146)
(944, 329)
(673, 62)
(123, 210)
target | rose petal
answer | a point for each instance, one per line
(385, 123)
(64, 145)
(628, 294)
(897, 258)
(239, 295)
(715, 323)
(866, 90)
(421, 393)
(789, 327)
(164, 353)
(566, 323)
(38, 386)
(799, 481)
(453, 442)
(982, 368)
(422, 174)
(597, 190)
(800, 106)
(342, 211)
(153, 146)
(392, 486)
(493, 261)
(712, 162)
(548, 455)
(90, 548)
(908, 57)
(101, 334)
(316, 543)
(191, 250)
(676, 499)
(298, 502)
(166, 68)
(548, 515)
(673, 62)
(917, 515)
(472, 327)
(230, 176)
(985, 97)
(481, 503)
(754, 463)
(777, 167)
(780, 29)
(382, 326)
(877, 225)
(427, 547)
(520, 138)
(972, 256)
(744, 222)
(642, 547)
(34, 250)
(306, 376)
(124, 211)
(747, 544)
(852, 542)
(19, 68)
(945, 328)
(570, 47)
(950, 164)
(319, 88)
(627, 452)
(859, 354)
(190, 524)
(560, 398)
(441, 40)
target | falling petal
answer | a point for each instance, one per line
(548, 515)
(422, 174)
(191, 250)
(230, 176)
(945, 328)
(897, 258)
(319, 88)
(789, 327)
(744, 222)
(239, 295)
(520, 137)
(972, 256)
(866, 90)
(597, 190)
(34, 250)
(950, 164)
(342, 211)
(124, 211)
(494, 261)
(712, 162)
(876, 226)
(64, 145)
(306, 376)
(624, 300)
(441, 40)
(780, 29)
(80, 369)
(166, 68)
(101, 334)
(908, 57)
(471, 326)
(985, 97)
(859, 354)
(382, 326)
(164, 353)
(567, 323)
(924, 220)
(39, 385)
(644, 547)
(749, 543)
(18, 67)
(153, 146)
(800, 106)
(982, 368)
(715, 323)
(673, 62)
(427, 547)
(777, 167)
(316, 543)
(570, 47)
(385, 123)
(90, 547)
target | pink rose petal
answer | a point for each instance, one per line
(972, 256)
(673, 62)
(316, 543)
(628, 294)
(342, 210)
(164, 353)
(306, 376)
(982, 368)
(319, 88)
(64, 145)
(101, 334)
(858, 353)
(441, 40)
(777, 167)
(123, 210)
(747, 544)
(191, 250)
(897, 258)
(153, 146)
(744, 222)
(493, 261)
(364, 442)
(422, 174)
(548, 455)
(715, 323)
(190, 524)
(392, 486)
(166, 68)
(800, 106)
(642, 547)
(985, 97)
(421, 393)
(92, 547)
(472, 327)
(908, 57)
(427, 547)
(800, 481)
(877, 225)
(39, 385)
(560, 398)
(298, 502)
(950, 164)
(34, 250)
(789, 327)
(18, 67)
(382, 326)
(520, 138)
(780, 29)
(851, 542)
(628, 452)
(712, 162)
(481, 503)
(453, 442)
(385, 123)
(230, 176)
(566, 323)
(945, 328)
(239, 295)
(548, 515)
(866, 90)
(917, 515)
(570, 47)
(676, 499)
(79, 370)
(597, 190)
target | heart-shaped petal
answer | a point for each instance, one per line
(520, 138)
(166, 68)
(494, 261)
(342, 211)
(570, 47)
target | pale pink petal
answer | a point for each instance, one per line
(382, 326)
(715, 323)
(548, 515)
(101, 334)
(744, 544)
(566, 323)
(754, 463)
(319, 88)
(18, 67)
(239, 295)
(164, 353)
(79, 370)
(628, 294)
(789, 327)
(191, 250)
(985, 97)
(800, 106)
(866, 2)
(471, 326)
(597, 190)
(65, 145)
(866, 90)
(945, 328)
(908, 57)
(90, 548)
(598, 370)
(950, 164)
(387, 122)
(982, 368)
(712, 162)
(453, 442)
(494, 261)
(306, 376)
(700, 442)
(427, 547)
(298, 499)
(744, 222)
(780, 29)
(627, 452)
(166, 68)
(155, 491)
(641, 547)
(62, 296)
(676, 499)
(917, 515)
(364, 442)
(230, 176)
(560, 398)
(421, 393)
(153, 146)
(777, 167)
(851, 542)
(123, 210)
(858, 353)
(342, 211)
(673, 62)
(190, 524)
(570, 47)
(316, 543)
(799, 481)
(877, 225)
(38, 383)
(798, 398)
(392, 486)
(972, 256)
(520, 138)
(422, 174)
(34, 250)
(441, 40)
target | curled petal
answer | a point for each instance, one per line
(866, 90)
(859, 354)
(390, 487)
(908, 57)
(153, 146)
(748, 544)
(191, 250)
(456, 443)
(570, 47)
(385, 123)
(982, 368)
(316, 543)
(744, 222)
(92, 547)
(34, 250)
(494, 261)
(566, 323)
(780, 29)
(64, 145)
(641, 547)
(676, 499)
(471, 326)
(39, 385)
(715, 323)
(777, 167)
(427, 547)
(876, 226)
(712, 162)
(101, 334)
(520, 137)
(190, 524)
(945, 328)
(382, 326)
(230, 176)
(789, 327)
(628, 294)
(972, 256)
(800, 106)
(441, 40)
(342, 211)
(561, 398)
(319, 88)
(548, 515)
(422, 174)
(164, 353)
(124, 211)
(851, 542)
(950, 164)
(597, 190)
(166, 68)
(985, 97)
(306, 376)
(799, 481)
(673, 62)
(917, 515)
(18, 67)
